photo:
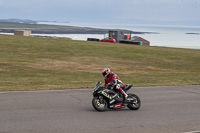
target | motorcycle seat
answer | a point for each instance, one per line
(128, 86)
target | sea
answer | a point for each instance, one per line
(159, 35)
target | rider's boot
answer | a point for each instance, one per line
(127, 98)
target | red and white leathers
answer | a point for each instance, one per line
(113, 81)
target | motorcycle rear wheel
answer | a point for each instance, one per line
(135, 105)
(99, 106)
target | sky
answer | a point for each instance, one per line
(172, 12)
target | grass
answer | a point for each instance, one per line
(30, 63)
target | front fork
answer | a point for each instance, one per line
(100, 99)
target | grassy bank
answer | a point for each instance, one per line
(28, 63)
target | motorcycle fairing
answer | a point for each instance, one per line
(97, 86)
(110, 94)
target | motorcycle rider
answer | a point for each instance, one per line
(112, 81)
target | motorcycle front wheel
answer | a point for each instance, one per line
(135, 104)
(99, 106)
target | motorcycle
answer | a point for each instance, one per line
(105, 98)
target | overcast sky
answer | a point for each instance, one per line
(103, 11)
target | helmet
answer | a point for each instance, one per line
(105, 71)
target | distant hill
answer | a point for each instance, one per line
(56, 29)
(27, 21)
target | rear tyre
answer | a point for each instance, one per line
(135, 104)
(99, 106)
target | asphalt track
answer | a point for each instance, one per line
(163, 110)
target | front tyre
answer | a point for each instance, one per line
(99, 106)
(135, 104)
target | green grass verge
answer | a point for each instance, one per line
(30, 63)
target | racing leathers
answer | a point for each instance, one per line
(112, 81)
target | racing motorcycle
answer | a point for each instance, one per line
(104, 98)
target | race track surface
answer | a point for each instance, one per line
(163, 110)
